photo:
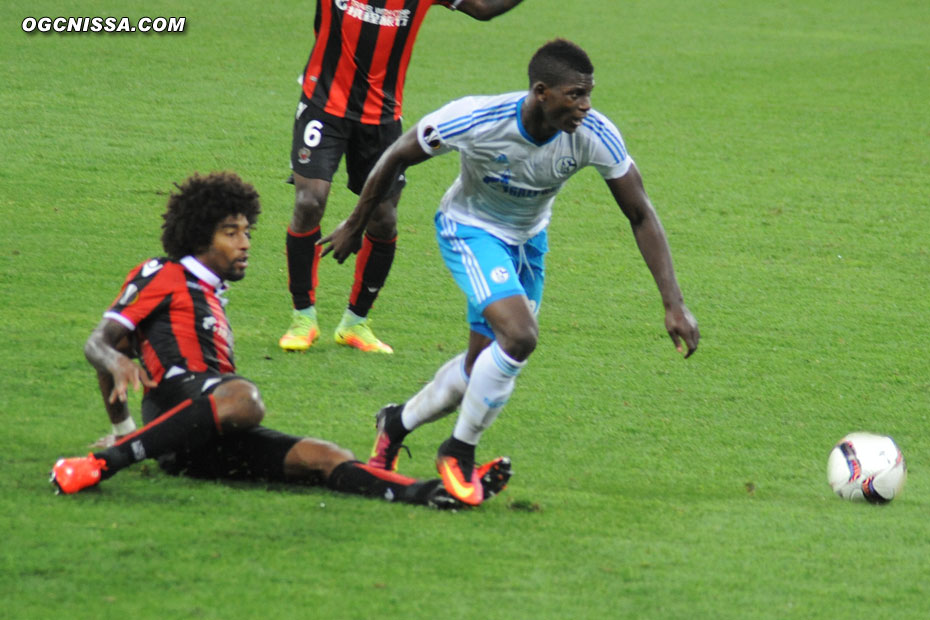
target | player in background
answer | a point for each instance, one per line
(201, 419)
(350, 105)
(516, 151)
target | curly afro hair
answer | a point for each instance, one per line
(555, 61)
(200, 205)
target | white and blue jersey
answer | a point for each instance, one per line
(491, 223)
(508, 181)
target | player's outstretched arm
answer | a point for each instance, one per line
(486, 9)
(650, 237)
(106, 350)
(346, 239)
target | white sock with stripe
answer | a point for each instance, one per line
(489, 388)
(439, 397)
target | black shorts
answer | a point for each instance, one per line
(321, 139)
(256, 453)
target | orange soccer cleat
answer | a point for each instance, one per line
(72, 475)
(467, 490)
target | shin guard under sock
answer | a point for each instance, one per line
(372, 264)
(303, 257)
(438, 398)
(360, 479)
(489, 388)
(191, 424)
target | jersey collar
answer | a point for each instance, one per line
(203, 273)
(524, 132)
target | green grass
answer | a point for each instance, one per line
(786, 146)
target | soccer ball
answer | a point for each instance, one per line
(866, 467)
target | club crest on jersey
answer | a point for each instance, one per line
(566, 165)
(303, 155)
(431, 137)
(500, 275)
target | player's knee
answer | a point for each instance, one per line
(520, 342)
(239, 404)
(312, 458)
(337, 456)
(309, 207)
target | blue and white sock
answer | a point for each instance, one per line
(492, 381)
(439, 397)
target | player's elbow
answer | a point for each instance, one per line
(485, 11)
(93, 349)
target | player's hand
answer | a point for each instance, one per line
(682, 326)
(342, 242)
(128, 373)
(106, 441)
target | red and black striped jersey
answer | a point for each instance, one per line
(359, 60)
(175, 310)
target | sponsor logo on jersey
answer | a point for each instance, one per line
(500, 274)
(210, 324)
(149, 268)
(392, 18)
(503, 184)
(174, 371)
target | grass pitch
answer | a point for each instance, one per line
(786, 147)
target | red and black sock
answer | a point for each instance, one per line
(191, 424)
(303, 256)
(360, 479)
(372, 265)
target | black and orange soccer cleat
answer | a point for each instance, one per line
(385, 452)
(495, 475)
(73, 474)
(460, 479)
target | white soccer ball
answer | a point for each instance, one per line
(866, 467)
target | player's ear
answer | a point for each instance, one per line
(540, 90)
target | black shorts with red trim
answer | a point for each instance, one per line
(256, 453)
(321, 139)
